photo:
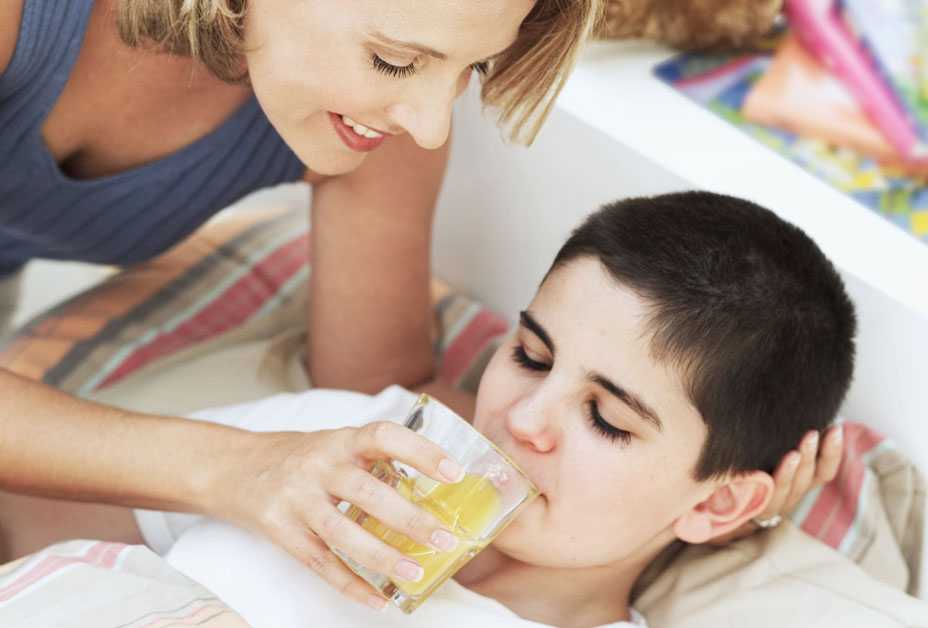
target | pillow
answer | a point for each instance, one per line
(227, 306)
(239, 278)
(86, 584)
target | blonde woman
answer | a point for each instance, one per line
(125, 124)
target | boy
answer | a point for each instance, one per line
(676, 350)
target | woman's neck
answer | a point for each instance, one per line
(568, 597)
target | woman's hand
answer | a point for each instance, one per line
(289, 484)
(800, 471)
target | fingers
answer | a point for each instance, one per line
(805, 472)
(379, 500)
(384, 439)
(783, 482)
(799, 471)
(829, 458)
(338, 531)
(311, 551)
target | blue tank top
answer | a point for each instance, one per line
(127, 217)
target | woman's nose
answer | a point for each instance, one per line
(530, 424)
(428, 119)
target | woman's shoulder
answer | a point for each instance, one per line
(12, 12)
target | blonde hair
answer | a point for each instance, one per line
(521, 84)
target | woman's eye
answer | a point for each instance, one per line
(521, 358)
(404, 71)
(604, 427)
(395, 71)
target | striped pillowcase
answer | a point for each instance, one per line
(234, 279)
(92, 583)
(241, 276)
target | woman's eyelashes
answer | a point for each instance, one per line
(405, 71)
(394, 71)
(482, 68)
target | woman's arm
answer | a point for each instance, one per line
(369, 307)
(282, 484)
(54, 445)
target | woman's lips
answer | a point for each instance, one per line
(351, 139)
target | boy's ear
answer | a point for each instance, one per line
(740, 498)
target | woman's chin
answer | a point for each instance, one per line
(333, 163)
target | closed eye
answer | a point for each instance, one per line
(395, 71)
(605, 428)
(404, 71)
(521, 358)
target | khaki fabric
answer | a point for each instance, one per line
(774, 579)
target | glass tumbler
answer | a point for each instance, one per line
(475, 509)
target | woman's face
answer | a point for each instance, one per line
(605, 431)
(394, 67)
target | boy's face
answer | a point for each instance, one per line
(612, 482)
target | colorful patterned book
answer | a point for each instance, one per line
(890, 32)
(721, 83)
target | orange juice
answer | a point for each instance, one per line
(466, 508)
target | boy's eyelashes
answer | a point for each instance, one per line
(521, 358)
(605, 428)
(596, 420)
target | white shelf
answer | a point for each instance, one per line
(615, 91)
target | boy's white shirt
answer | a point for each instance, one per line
(266, 585)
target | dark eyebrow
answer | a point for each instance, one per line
(409, 45)
(630, 399)
(528, 321)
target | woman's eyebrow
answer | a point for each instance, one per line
(408, 45)
(630, 399)
(528, 321)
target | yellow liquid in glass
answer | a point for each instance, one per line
(466, 508)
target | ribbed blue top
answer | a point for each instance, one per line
(127, 217)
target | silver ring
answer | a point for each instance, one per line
(770, 522)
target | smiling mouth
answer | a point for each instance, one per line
(355, 135)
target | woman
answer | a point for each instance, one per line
(124, 124)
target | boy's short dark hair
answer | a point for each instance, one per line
(745, 304)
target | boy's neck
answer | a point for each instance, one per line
(572, 598)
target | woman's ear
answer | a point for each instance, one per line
(739, 498)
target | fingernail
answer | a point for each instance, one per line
(443, 541)
(793, 461)
(376, 603)
(839, 435)
(408, 570)
(450, 470)
(812, 441)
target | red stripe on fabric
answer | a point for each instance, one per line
(827, 501)
(111, 554)
(473, 338)
(225, 311)
(834, 511)
(861, 441)
(49, 565)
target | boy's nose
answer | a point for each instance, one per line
(529, 425)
